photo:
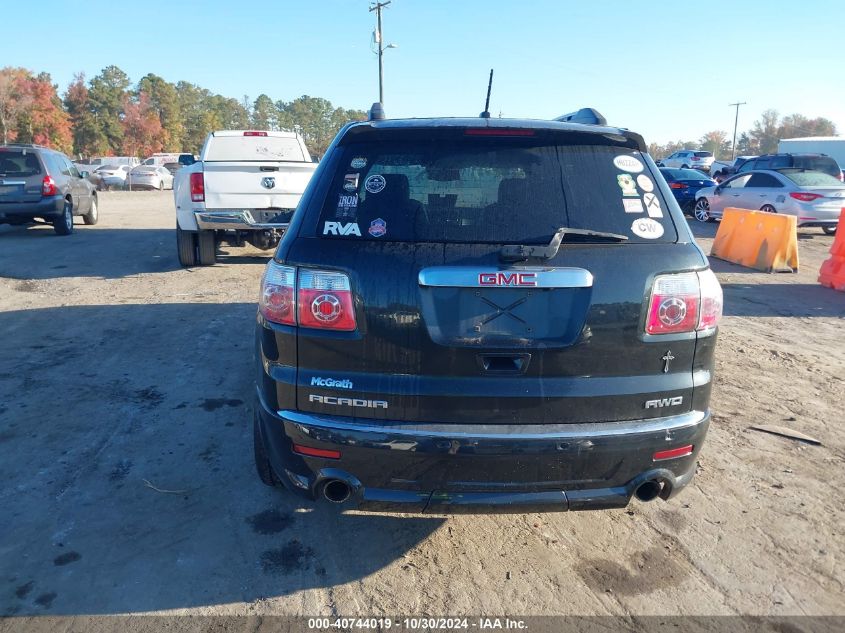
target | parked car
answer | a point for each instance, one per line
(38, 184)
(688, 159)
(114, 176)
(684, 184)
(815, 162)
(244, 188)
(722, 169)
(484, 312)
(814, 197)
(173, 167)
(149, 177)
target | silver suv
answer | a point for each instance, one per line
(38, 184)
(688, 159)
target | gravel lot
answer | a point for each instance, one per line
(129, 486)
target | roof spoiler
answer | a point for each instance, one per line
(586, 116)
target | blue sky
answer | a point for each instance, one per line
(647, 67)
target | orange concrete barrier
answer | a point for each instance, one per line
(832, 272)
(765, 241)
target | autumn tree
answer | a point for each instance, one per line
(164, 101)
(14, 101)
(716, 142)
(142, 131)
(45, 121)
(106, 96)
(88, 139)
(765, 132)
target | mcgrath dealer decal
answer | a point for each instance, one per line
(317, 381)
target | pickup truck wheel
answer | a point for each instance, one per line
(262, 462)
(63, 225)
(93, 214)
(829, 230)
(207, 248)
(186, 244)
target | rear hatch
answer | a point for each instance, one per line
(21, 175)
(254, 170)
(821, 193)
(452, 325)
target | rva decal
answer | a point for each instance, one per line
(339, 228)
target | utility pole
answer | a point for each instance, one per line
(736, 121)
(377, 7)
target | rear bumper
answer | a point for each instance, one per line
(45, 208)
(234, 219)
(477, 468)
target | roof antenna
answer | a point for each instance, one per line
(486, 113)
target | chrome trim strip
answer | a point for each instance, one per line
(13, 182)
(235, 219)
(495, 431)
(529, 277)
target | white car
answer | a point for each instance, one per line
(688, 159)
(150, 177)
(814, 197)
(114, 175)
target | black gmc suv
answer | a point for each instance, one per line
(476, 314)
(38, 183)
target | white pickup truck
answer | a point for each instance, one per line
(244, 188)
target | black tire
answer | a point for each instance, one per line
(63, 225)
(767, 208)
(186, 244)
(207, 248)
(829, 230)
(262, 462)
(93, 215)
(684, 166)
(161, 185)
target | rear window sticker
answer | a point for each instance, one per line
(633, 206)
(350, 183)
(340, 228)
(358, 163)
(645, 183)
(628, 163)
(378, 227)
(652, 205)
(346, 205)
(375, 184)
(647, 228)
(627, 184)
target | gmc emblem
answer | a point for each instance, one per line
(507, 279)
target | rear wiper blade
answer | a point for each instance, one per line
(521, 252)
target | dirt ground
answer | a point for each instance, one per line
(129, 487)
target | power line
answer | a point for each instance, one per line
(736, 122)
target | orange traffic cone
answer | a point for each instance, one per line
(832, 272)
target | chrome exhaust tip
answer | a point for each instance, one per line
(648, 490)
(336, 490)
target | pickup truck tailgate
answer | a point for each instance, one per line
(255, 185)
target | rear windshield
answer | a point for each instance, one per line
(817, 163)
(491, 191)
(703, 154)
(810, 178)
(19, 162)
(253, 148)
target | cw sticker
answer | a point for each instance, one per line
(647, 228)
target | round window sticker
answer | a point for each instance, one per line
(375, 184)
(628, 163)
(645, 183)
(647, 228)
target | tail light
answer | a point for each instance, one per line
(677, 185)
(672, 453)
(684, 302)
(494, 131)
(325, 300)
(696, 158)
(197, 187)
(48, 186)
(805, 197)
(310, 298)
(251, 133)
(278, 294)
